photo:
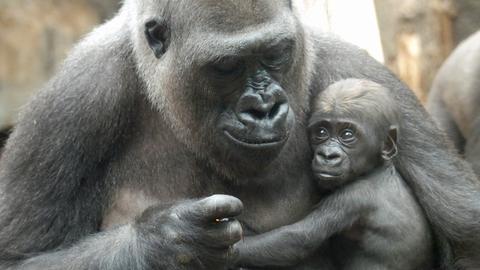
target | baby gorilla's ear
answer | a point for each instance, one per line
(390, 149)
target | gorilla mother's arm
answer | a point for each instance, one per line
(291, 244)
(52, 192)
(443, 183)
(111, 250)
(52, 188)
(143, 244)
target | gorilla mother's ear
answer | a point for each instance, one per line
(157, 34)
(390, 149)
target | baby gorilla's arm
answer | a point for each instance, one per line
(289, 245)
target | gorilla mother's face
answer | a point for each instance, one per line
(229, 78)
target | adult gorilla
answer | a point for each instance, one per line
(176, 100)
(455, 97)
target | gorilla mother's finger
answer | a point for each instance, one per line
(224, 234)
(215, 208)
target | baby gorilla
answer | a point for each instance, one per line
(371, 217)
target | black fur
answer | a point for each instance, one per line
(371, 218)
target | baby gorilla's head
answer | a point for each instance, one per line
(353, 130)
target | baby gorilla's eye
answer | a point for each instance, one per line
(322, 134)
(347, 136)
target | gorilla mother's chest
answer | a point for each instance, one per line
(155, 168)
(262, 212)
(166, 175)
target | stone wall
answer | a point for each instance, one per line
(35, 37)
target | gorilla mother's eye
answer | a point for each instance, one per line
(228, 67)
(277, 58)
(347, 136)
(275, 61)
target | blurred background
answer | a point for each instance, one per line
(412, 37)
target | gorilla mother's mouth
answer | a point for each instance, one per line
(256, 143)
(328, 175)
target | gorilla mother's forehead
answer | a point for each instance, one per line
(237, 36)
(235, 15)
(229, 15)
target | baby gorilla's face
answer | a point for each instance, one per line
(343, 150)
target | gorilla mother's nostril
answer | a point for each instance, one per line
(264, 111)
(266, 106)
(275, 110)
(333, 156)
(256, 114)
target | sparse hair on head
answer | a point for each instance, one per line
(359, 98)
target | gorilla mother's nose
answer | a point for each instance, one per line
(263, 104)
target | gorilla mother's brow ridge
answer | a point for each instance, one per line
(245, 45)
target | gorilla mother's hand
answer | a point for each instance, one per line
(197, 234)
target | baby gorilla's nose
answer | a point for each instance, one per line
(328, 156)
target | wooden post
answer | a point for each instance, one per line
(417, 36)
